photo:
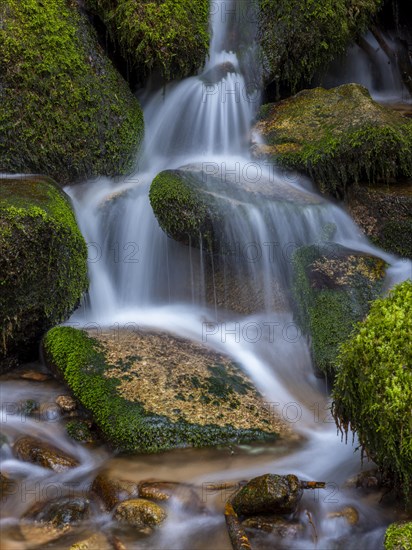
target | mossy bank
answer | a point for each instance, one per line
(300, 38)
(43, 262)
(149, 392)
(65, 111)
(333, 288)
(398, 536)
(170, 37)
(339, 137)
(373, 388)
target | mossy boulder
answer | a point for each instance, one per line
(169, 36)
(140, 513)
(300, 38)
(333, 288)
(65, 111)
(373, 387)
(398, 536)
(148, 392)
(338, 137)
(43, 262)
(385, 215)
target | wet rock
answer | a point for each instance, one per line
(98, 541)
(112, 490)
(66, 403)
(339, 137)
(29, 407)
(34, 376)
(274, 524)
(38, 535)
(7, 485)
(79, 431)
(60, 512)
(270, 493)
(41, 453)
(185, 495)
(202, 398)
(349, 513)
(371, 479)
(139, 513)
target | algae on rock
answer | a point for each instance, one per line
(151, 392)
(65, 111)
(338, 137)
(373, 387)
(43, 262)
(169, 36)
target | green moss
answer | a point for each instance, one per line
(80, 361)
(43, 261)
(299, 38)
(332, 291)
(79, 431)
(182, 210)
(398, 536)
(338, 137)
(65, 111)
(170, 36)
(373, 389)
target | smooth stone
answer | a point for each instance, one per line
(41, 453)
(139, 512)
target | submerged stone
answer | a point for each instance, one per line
(41, 453)
(148, 392)
(113, 490)
(60, 512)
(338, 137)
(276, 525)
(140, 512)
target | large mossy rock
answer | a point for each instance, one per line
(338, 137)
(332, 289)
(64, 109)
(398, 536)
(385, 215)
(169, 36)
(300, 38)
(373, 387)
(43, 263)
(149, 392)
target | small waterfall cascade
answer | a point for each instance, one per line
(140, 276)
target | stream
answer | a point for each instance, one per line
(140, 278)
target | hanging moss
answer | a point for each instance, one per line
(299, 37)
(373, 389)
(43, 262)
(170, 36)
(338, 137)
(65, 111)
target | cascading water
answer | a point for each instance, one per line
(138, 275)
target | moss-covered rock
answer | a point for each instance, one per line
(373, 388)
(170, 36)
(139, 512)
(398, 536)
(385, 215)
(43, 262)
(299, 38)
(151, 392)
(332, 289)
(338, 137)
(65, 111)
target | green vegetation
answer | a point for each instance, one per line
(301, 37)
(332, 291)
(64, 111)
(339, 137)
(170, 36)
(373, 389)
(399, 536)
(81, 362)
(43, 262)
(183, 211)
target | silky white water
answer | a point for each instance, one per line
(141, 278)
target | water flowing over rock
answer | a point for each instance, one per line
(39, 452)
